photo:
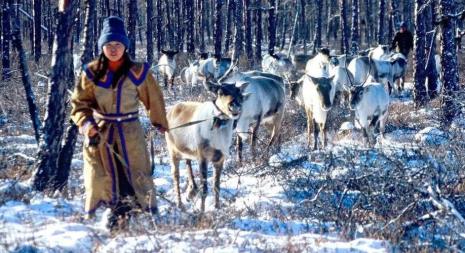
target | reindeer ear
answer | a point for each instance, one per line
(315, 80)
(212, 87)
(243, 86)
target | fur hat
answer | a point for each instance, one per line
(403, 24)
(113, 30)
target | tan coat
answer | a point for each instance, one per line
(114, 110)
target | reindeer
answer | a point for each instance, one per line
(278, 64)
(167, 66)
(370, 103)
(206, 141)
(264, 105)
(318, 95)
(212, 69)
(319, 65)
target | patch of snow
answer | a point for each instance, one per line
(431, 136)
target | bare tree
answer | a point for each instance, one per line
(27, 83)
(238, 31)
(229, 18)
(218, 27)
(258, 32)
(87, 53)
(37, 14)
(344, 26)
(248, 33)
(448, 61)
(132, 19)
(47, 167)
(419, 91)
(149, 30)
(271, 26)
(317, 37)
(381, 17)
(6, 39)
(190, 27)
(355, 36)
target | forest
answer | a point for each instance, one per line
(334, 136)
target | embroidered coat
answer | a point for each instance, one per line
(114, 110)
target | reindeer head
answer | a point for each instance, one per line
(229, 98)
(356, 94)
(325, 91)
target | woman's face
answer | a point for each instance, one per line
(113, 50)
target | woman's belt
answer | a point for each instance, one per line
(116, 117)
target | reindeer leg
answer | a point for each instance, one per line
(366, 137)
(175, 174)
(323, 135)
(309, 127)
(254, 135)
(275, 134)
(239, 149)
(203, 166)
(216, 175)
(316, 131)
(192, 188)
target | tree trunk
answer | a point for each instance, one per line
(169, 28)
(27, 83)
(89, 20)
(218, 27)
(419, 92)
(132, 17)
(202, 25)
(149, 31)
(271, 27)
(60, 79)
(6, 32)
(238, 31)
(160, 31)
(393, 18)
(229, 18)
(344, 27)
(355, 36)
(248, 33)
(431, 72)
(258, 33)
(317, 38)
(381, 14)
(368, 22)
(448, 62)
(190, 27)
(37, 14)
(302, 25)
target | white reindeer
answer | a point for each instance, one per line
(167, 66)
(206, 141)
(278, 64)
(318, 95)
(370, 103)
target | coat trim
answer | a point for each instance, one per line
(125, 153)
(118, 96)
(120, 130)
(105, 82)
(138, 76)
(112, 166)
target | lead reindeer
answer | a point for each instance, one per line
(265, 105)
(207, 141)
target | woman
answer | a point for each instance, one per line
(105, 105)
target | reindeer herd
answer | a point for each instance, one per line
(245, 100)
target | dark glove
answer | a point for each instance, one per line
(92, 141)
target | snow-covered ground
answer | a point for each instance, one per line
(255, 215)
